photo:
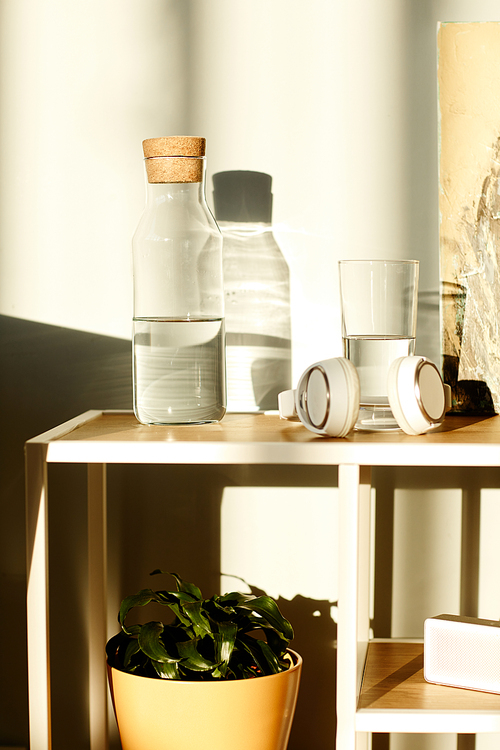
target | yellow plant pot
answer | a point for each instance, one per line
(227, 714)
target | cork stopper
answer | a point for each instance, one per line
(174, 145)
(176, 158)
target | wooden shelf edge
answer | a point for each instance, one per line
(269, 440)
(394, 696)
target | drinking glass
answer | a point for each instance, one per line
(379, 321)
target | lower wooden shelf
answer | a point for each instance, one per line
(395, 697)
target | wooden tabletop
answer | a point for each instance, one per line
(117, 437)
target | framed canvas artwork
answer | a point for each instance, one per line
(469, 204)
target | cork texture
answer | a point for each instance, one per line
(174, 145)
(174, 169)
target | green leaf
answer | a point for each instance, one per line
(174, 600)
(218, 613)
(276, 641)
(133, 630)
(201, 625)
(191, 657)
(178, 611)
(153, 646)
(225, 641)
(169, 597)
(267, 608)
(272, 662)
(132, 649)
(113, 645)
(189, 588)
(228, 632)
(235, 597)
(182, 585)
(135, 600)
(251, 645)
(166, 670)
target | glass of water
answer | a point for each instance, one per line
(379, 321)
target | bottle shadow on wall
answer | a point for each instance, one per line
(256, 292)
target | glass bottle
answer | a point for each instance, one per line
(256, 290)
(178, 336)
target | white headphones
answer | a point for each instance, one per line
(326, 400)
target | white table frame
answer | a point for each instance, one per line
(239, 439)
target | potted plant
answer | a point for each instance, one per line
(220, 674)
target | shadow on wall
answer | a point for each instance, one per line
(48, 375)
(157, 517)
(315, 635)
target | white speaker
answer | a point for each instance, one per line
(462, 652)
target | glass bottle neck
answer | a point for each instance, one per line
(158, 192)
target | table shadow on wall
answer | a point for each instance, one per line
(49, 374)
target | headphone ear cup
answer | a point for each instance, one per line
(352, 395)
(394, 400)
(327, 397)
(416, 394)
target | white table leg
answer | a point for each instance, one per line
(97, 544)
(37, 597)
(354, 599)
